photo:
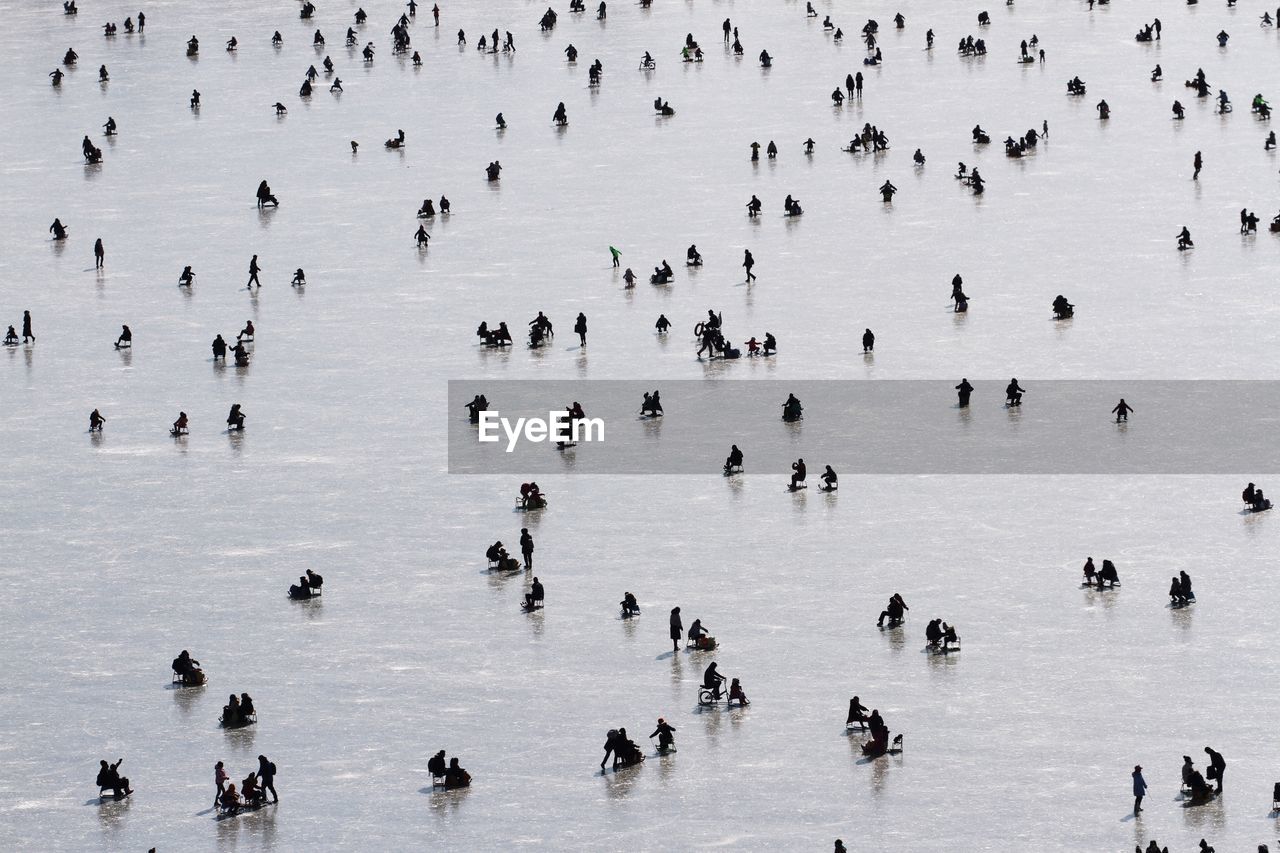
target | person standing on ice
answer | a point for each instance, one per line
(1121, 411)
(748, 262)
(616, 254)
(526, 547)
(677, 629)
(1217, 764)
(1139, 789)
(580, 328)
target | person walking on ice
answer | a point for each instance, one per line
(1139, 789)
(254, 269)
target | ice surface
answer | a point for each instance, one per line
(122, 550)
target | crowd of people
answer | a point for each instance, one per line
(941, 636)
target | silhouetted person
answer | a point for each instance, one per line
(526, 547)
(734, 461)
(455, 776)
(791, 409)
(1013, 393)
(254, 269)
(26, 327)
(535, 595)
(712, 680)
(580, 328)
(267, 778)
(1122, 410)
(665, 733)
(265, 196)
(677, 630)
(1217, 767)
(125, 339)
(109, 777)
(857, 713)
(895, 612)
(58, 230)
(799, 472)
(99, 254)
(748, 262)
(964, 389)
(868, 341)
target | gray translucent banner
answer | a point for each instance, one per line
(885, 427)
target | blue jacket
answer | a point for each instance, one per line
(1139, 784)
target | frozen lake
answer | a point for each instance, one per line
(127, 547)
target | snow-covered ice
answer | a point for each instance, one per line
(121, 550)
